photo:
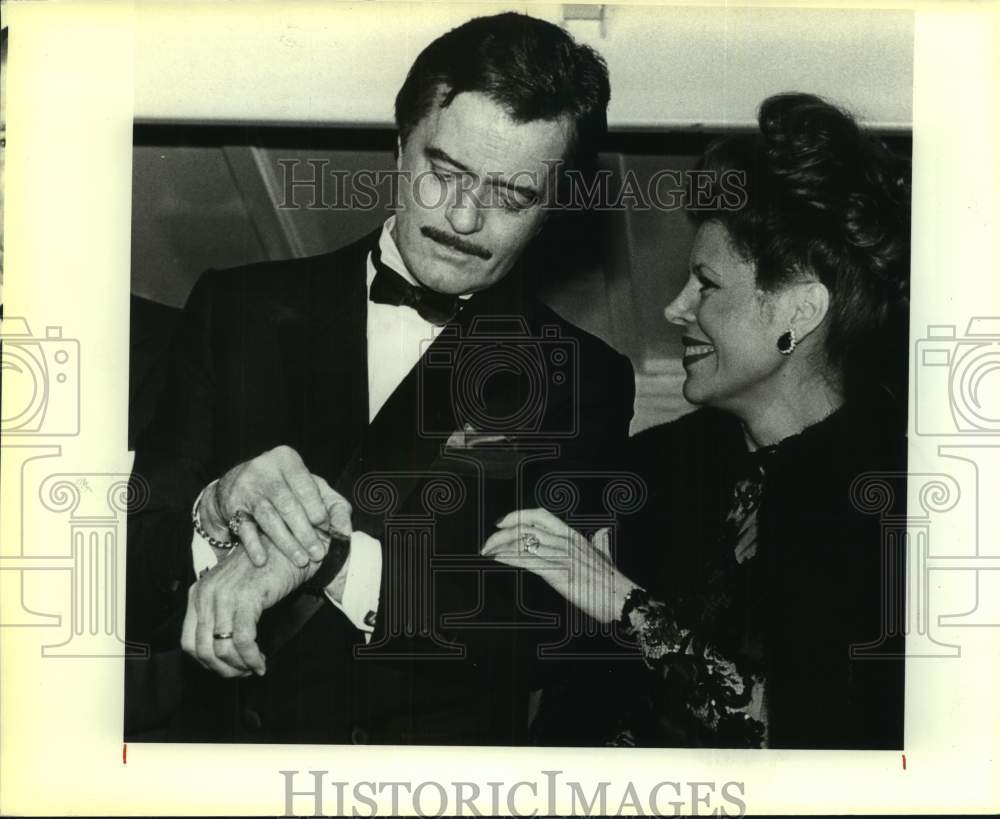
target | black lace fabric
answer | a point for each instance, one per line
(703, 650)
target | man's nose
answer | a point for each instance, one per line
(682, 309)
(465, 213)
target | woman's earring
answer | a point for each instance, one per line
(787, 342)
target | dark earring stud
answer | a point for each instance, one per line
(787, 342)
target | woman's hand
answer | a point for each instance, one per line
(580, 570)
(280, 500)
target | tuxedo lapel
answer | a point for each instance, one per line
(330, 350)
(405, 439)
(408, 435)
(402, 438)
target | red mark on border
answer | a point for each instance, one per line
(904, 762)
(125, 755)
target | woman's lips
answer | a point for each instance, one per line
(695, 349)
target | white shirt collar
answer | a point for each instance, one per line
(393, 259)
(391, 256)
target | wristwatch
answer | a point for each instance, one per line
(336, 557)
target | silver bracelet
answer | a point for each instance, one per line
(224, 545)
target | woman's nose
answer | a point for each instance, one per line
(682, 309)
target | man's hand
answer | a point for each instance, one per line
(230, 598)
(286, 503)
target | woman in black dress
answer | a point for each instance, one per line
(753, 581)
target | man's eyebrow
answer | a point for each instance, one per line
(435, 153)
(526, 192)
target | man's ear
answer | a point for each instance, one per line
(810, 304)
(399, 153)
(546, 212)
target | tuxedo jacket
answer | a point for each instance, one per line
(275, 354)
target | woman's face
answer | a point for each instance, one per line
(730, 353)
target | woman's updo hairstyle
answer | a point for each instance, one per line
(824, 200)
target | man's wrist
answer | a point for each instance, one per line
(339, 584)
(333, 567)
(362, 582)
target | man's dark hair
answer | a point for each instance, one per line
(533, 69)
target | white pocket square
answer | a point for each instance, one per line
(470, 437)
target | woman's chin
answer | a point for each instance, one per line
(692, 393)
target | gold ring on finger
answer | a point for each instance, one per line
(531, 544)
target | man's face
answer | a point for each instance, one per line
(471, 192)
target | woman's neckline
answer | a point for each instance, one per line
(754, 446)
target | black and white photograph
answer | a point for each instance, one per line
(504, 407)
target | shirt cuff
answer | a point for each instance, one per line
(363, 583)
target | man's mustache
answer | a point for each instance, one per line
(455, 243)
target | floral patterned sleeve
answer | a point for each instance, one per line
(705, 695)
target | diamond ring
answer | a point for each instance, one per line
(531, 544)
(237, 520)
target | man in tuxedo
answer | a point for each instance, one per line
(341, 431)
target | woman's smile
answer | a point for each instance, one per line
(695, 350)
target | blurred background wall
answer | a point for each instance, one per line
(233, 103)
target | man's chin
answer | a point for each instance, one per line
(445, 287)
(457, 279)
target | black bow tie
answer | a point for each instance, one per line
(389, 287)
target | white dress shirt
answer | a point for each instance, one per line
(397, 337)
